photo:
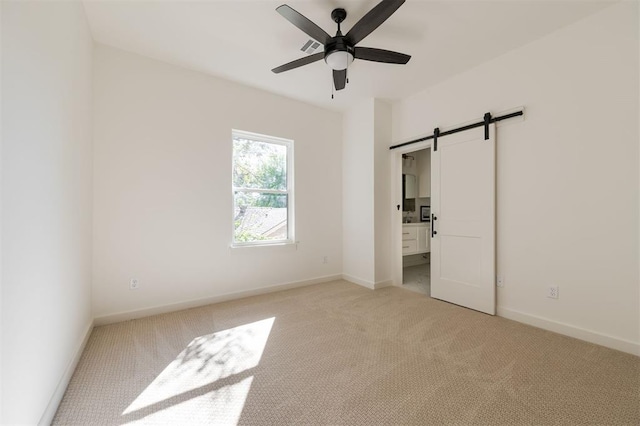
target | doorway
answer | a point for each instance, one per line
(415, 268)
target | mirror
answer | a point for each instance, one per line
(409, 186)
(408, 193)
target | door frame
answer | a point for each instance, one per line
(396, 198)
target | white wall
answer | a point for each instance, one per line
(567, 177)
(366, 193)
(382, 192)
(46, 201)
(162, 184)
(358, 218)
(1, 138)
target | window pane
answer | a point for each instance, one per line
(260, 217)
(259, 165)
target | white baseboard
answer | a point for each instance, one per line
(54, 402)
(368, 284)
(382, 284)
(355, 280)
(194, 303)
(365, 283)
(571, 331)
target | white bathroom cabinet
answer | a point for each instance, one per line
(415, 238)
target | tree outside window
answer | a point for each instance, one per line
(262, 189)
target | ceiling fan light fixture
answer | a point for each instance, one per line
(339, 60)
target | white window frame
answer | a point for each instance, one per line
(288, 143)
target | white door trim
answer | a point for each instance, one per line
(396, 197)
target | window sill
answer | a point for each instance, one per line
(274, 245)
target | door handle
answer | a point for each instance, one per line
(433, 225)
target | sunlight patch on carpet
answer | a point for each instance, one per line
(188, 389)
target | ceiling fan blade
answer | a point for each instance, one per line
(381, 55)
(373, 19)
(340, 79)
(302, 22)
(299, 62)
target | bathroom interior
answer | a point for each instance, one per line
(416, 218)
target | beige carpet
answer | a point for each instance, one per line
(338, 353)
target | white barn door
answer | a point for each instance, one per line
(463, 208)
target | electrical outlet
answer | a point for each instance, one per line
(552, 291)
(134, 284)
(500, 281)
(325, 259)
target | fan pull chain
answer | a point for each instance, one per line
(347, 71)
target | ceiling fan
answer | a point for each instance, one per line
(340, 50)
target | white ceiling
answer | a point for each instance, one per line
(242, 40)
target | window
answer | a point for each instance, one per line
(262, 189)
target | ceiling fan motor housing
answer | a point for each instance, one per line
(339, 44)
(338, 52)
